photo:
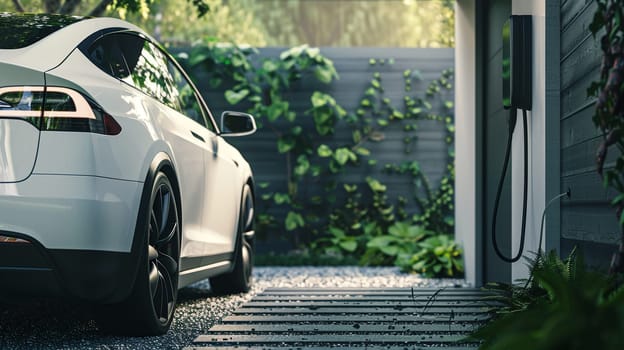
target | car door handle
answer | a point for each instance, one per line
(197, 136)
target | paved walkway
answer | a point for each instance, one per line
(372, 318)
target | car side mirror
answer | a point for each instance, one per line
(237, 124)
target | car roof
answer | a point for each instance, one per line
(52, 49)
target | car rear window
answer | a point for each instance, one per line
(21, 30)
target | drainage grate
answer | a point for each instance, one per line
(389, 318)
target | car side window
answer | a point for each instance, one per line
(141, 64)
(188, 100)
(149, 73)
(107, 53)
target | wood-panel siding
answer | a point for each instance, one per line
(429, 149)
(495, 134)
(587, 219)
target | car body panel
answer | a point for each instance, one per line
(19, 139)
(57, 46)
(72, 212)
(18, 149)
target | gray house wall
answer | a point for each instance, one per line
(429, 149)
(495, 138)
(587, 219)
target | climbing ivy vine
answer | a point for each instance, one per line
(338, 218)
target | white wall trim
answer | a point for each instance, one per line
(466, 157)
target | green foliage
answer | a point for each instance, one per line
(94, 7)
(402, 238)
(609, 113)
(563, 306)
(350, 221)
(436, 256)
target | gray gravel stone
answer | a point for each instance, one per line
(53, 324)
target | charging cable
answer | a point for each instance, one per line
(568, 194)
(512, 126)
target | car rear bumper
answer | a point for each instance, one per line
(74, 236)
(72, 212)
(29, 270)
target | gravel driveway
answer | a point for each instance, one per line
(45, 324)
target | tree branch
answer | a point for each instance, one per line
(100, 8)
(69, 6)
(18, 6)
(51, 6)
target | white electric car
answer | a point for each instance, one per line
(117, 187)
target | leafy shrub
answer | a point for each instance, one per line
(436, 256)
(562, 306)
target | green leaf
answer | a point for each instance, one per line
(281, 198)
(235, 97)
(357, 136)
(398, 115)
(362, 151)
(349, 246)
(350, 188)
(380, 241)
(303, 165)
(391, 250)
(294, 220)
(323, 75)
(270, 66)
(324, 151)
(274, 111)
(375, 185)
(285, 144)
(343, 155)
(320, 99)
(337, 232)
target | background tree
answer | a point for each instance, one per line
(88, 7)
(346, 23)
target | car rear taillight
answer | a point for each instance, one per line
(56, 109)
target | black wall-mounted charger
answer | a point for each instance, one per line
(518, 62)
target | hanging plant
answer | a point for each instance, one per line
(609, 115)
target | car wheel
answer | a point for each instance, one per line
(149, 309)
(240, 279)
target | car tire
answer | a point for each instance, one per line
(150, 308)
(240, 279)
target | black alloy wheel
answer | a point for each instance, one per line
(163, 252)
(150, 307)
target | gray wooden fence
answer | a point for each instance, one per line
(352, 64)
